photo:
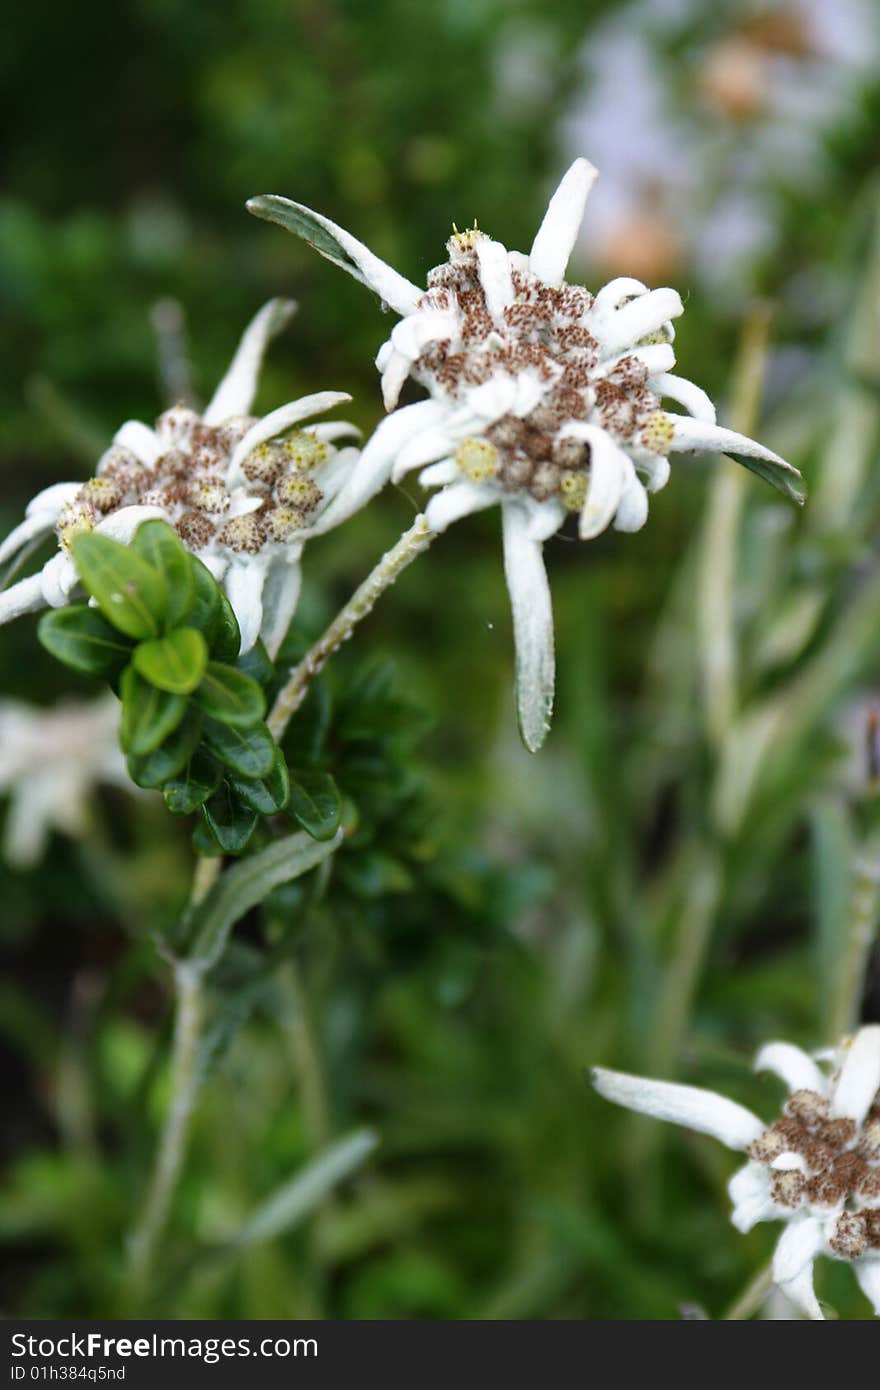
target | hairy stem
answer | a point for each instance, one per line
(362, 601)
(749, 1301)
(206, 873)
(172, 1145)
(716, 607)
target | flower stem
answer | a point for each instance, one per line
(144, 1239)
(684, 970)
(306, 1057)
(843, 1013)
(172, 1146)
(362, 601)
(752, 1296)
(206, 873)
(716, 606)
(718, 657)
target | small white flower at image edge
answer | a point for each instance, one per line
(51, 761)
(816, 1167)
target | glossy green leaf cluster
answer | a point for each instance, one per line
(356, 736)
(160, 629)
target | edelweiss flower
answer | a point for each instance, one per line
(543, 399)
(242, 493)
(817, 1167)
(50, 761)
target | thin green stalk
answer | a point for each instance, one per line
(679, 987)
(362, 602)
(684, 970)
(861, 933)
(74, 1098)
(206, 873)
(168, 1164)
(306, 1057)
(172, 1145)
(309, 1071)
(716, 611)
(217, 908)
(746, 1304)
(717, 633)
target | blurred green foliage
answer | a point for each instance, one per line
(662, 888)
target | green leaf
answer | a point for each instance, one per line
(257, 664)
(175, 663)
(83, 640)
(289, 1204)
(307, 734)
(308, 225)
(374, 876)
(249, 752)
(203, 841)
(831, 897)
(231, 823)
(211, 612)
(783, 476)
(230, 1015)
(148, 715)
(174, 754)
(161, 547)
(316, 803)
(338, 246)
(230, 696)
(190, 788)
(245, 885)
(269, 794)
(131, 594)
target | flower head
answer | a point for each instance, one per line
(816, 1166)
(50, 762)
(543, 399)
(243, 493)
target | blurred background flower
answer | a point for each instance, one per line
(708, 124)
(51, 762)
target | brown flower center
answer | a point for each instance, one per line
(188, 481)
(841, 1167)
(542, 333)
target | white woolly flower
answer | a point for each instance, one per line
(817, 1167)
(243, 493)
(543, 399)
(50, 762)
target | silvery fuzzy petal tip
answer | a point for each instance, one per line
(338, 246)
(532, 611)
(559, 229)
(707, 1112)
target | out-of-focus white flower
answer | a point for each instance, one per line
(817, 1167)
(243, 493)
(643, 147)
(543, 399)
(723, 111)
(51, 760)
